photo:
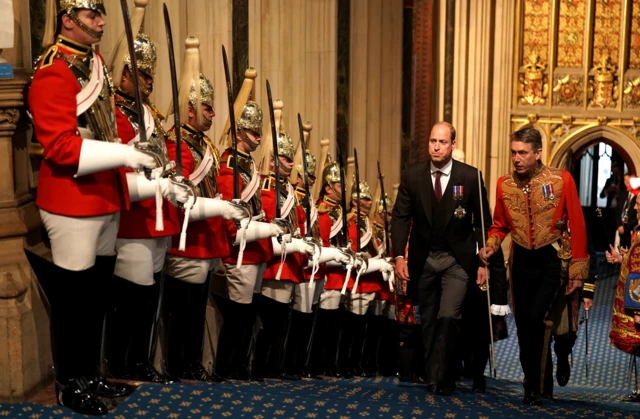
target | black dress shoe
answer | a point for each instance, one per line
(197, 372)
(479, 385)
(287, 376)
(563, 370)
(101, 387)
(532, 398)
(548, 395)
(147, 373)
(431, 388)
(632, 398)
(444, 389)
(76, 395)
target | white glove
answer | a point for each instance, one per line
(174, 192)
(257, 230)
(97, 156)
(293, 245)
(215, 207)
(333, 256)
(376, 264)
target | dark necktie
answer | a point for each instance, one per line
(438, 187)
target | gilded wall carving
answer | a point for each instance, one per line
(606, 31)
(634, 39)
(536, 29)
(571, 23)
(631, 92)
(568, 90)
(603, 84)
(534, 85)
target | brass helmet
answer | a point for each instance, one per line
(285, 145)
(365, 191)
(57, 7)
(206, 92)
(380, 204)
(146, 58)
(250, 118)
(331, 172)
(311, 165)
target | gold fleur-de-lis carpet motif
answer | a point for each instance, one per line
(595, 397)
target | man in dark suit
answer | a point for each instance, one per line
(439, 201)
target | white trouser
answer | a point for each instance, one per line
(306, 295)
(281, 291)
(76, 241)
(139, 259)
(244, 281)
(191, 270)
(384, 309)
(359, 303)
(330, 299)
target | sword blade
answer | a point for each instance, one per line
(276, 162)
(174, 91)
(358, 243)
(134, 75)
(343, 198)
(305, 171)
(232, 121)
(384, 211)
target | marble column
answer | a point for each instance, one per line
(25, 355)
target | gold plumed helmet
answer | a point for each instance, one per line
(380, 204)
(331, 172)
(285, 145)
(146, 55)
(311, 164)
(58, 7)
(365, 191)
(194, 89)
(250, 118)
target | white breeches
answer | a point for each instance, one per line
(359, 303)
(243, 282)
(139, 259)
(76, 241)
(193, 271)
(306, 295)
(330, 299)
(281, 291)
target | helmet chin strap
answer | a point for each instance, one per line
(246, 138)
(338, 193)
(83, 26)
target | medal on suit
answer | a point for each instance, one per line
(458, 194)
(547, 192)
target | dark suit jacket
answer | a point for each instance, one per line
(412, 211)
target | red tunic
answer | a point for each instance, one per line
(292, 267)
(255, 252)
(52, 101)
(368, 283)
(326, 208)
(139, 221)
(533, 218)
(206, 239)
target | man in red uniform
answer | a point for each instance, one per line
(250, 249)
(141, 246)
(192, 259)
(81, 192)
(538, 205)
(282, 275)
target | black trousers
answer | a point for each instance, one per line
(535, 283)
(441, 291)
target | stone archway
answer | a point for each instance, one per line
(619, 139)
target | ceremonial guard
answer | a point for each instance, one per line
(81, 191)
(325, 346)
(142, 244)
(284, 270)
(250, 248)
(190, 261)
(307, 292)
(539, 206)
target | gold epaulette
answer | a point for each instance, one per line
(171, 136)
(48, 56)
(157, 114)
(323, 207)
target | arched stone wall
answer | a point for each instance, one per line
(619, 139)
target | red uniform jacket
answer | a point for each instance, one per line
(328, 212)
(206, 239)
(139, 221)
(52, 101)
(533, 218)
(292, 267)
(373, 281)
(315, 228)
(255, 252)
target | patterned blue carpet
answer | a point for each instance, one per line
(597, 396)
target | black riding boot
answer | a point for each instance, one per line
(297, 342)
(273, 316)
(371, 349)
(174, 307)
(331, 340)
(59, 286)
(388, 352)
